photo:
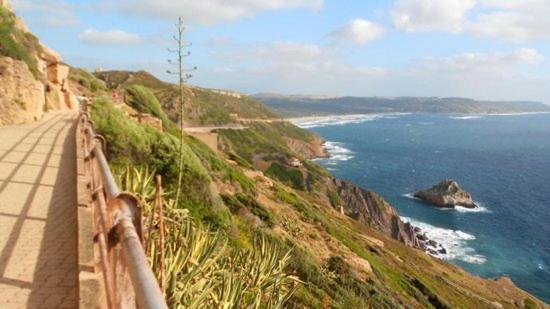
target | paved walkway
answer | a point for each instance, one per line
(38, 232)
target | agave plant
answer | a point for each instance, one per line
(197, 270)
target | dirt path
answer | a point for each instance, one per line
(38, 237)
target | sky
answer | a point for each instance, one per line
(481, 49)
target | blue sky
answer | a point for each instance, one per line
(483, 49)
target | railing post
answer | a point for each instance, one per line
(127, 276)
(160, 207)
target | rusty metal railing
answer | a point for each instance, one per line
(128, 280)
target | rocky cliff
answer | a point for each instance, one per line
(369, 207)
(33, 80)
(312, 149)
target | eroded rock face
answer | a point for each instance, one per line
(371, 208)
(311, 150)
(22, 97)
(447, 193)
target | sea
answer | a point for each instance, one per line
(502, 160)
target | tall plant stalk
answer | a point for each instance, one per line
(182, 78)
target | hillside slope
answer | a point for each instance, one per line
(203, 107)
(349, 246)
(301, 106)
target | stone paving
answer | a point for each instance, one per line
(38, 225)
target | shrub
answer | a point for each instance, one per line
(131, 143)
(239, 200)
(87, 80)
(334, 198)
(337, 265)
(293, 177)
(144, 100)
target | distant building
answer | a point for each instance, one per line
(227, 93)
(294, 162)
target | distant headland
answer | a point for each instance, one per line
(301, 106)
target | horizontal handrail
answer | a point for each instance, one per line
(118, 231)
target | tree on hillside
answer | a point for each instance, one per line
(183, 77)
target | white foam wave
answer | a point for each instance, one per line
(479, 206)
(477, 116)
(517, 114)
(323, 121)
(455, 242)
(411, 196)
(338, 152)
(465, 117)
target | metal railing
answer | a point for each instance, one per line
(128, 279)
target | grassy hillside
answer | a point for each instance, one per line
(300, 106)
(340, 262)
(202, 106)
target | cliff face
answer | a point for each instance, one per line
(32, 78)
(309, 149)
(21, 95)
(370, 208)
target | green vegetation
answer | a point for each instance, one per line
(131, 143)
(288, 175)
(263, 138)
(202, 106)
(15, 43)
(143, 100)
(529, 304)
(197, 270)
(86, 80)
(334, 199)
(337, 265)
(241, 201)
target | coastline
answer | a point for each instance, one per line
(320, 117)
(442, 243)
(418, 232)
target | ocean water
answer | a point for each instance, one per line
(503, 160)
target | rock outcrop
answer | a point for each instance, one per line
(370, 208)
(447, 193)
(311, 150)
(21, 95)
(30, 88)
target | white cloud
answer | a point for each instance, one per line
(358, 31)
(290, 67)
(110, 37)
(509, 20)
(430, 15)
(206, 11)
(51, 13)
(494, 64)
(293, 59)
(516, 21)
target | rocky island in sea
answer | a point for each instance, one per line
(448, 194)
